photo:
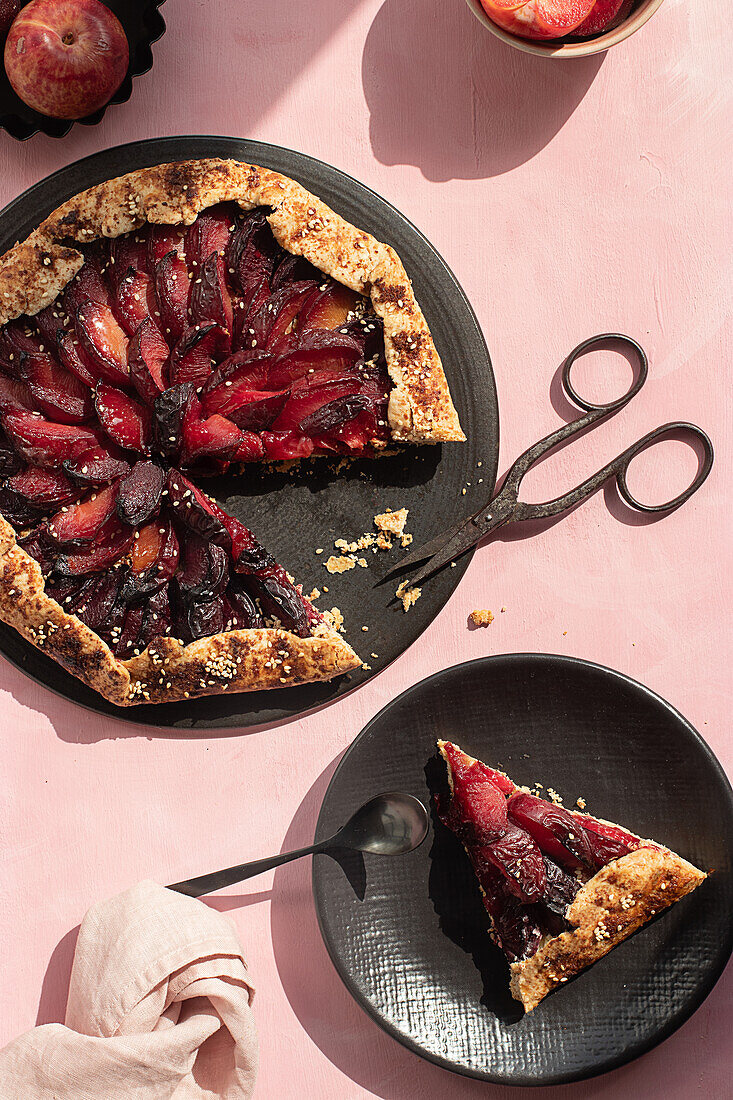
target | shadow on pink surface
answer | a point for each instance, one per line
(55, 988)
(80, 726)
(374, 1061)
(448, 97)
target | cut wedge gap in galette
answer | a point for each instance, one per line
(155, 331)
(561, 888)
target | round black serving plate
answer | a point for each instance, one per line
(143, 24)
(408, 935)
(297, 512)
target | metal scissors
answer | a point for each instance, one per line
(506, 507)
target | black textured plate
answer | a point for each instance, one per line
(414, 952)
(143, 25)
(296, 513)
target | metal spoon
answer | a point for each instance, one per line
(388, 825)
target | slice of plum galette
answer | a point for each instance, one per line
(155, 330)
(561, 888)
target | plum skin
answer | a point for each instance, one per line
(66, 58)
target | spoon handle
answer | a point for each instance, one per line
(217, 880)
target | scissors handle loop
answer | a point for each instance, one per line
(666, 431)
(596, 343)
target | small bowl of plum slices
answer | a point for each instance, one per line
(563, 28)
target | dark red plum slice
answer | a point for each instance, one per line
(172, 290)
(96, 465)
(248, 554)
(318, 350)
(247, 408)
(56, 391)
(206, 617)
(555, 830)
(10, 462)
(100, 596)
(130, 641)
(517, 926)
(147, 357)
(140, 493)
(560, 888)
(110, 545)
(16, 509)
(241, 610)
(157, 616)
(306, 401)
(83, 521)
(41, 549)
(162, 240)
(519, 859)
(125, 420)
(280, 600)
(329, 310)
(129, 251)
(155, 556)
(103, 342)
(168, 412)
(135, 300)
(19, 337)
(210, 299)
(250, 448)
(192, 357)
(44, 443)
(286, 446)
(50, 322)
(292, 269)
(209, 233)
(609, 843)
(194, 510)
(70, 354)
(88, 286)
(275, 318)
(44, 488)
(15, 395)
(214, 436)
(462, 769)
(204, 569)
(251, 256)
(250, 367)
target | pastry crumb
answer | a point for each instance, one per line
(315, 594)
(554, 796)
(339, 563)
(481, 618)
(409, 596)
(335, 619)
(390, 527)
(580, 803)
(392, 523)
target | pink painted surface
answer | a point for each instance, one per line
(569, 199)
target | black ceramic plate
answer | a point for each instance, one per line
(296, 513)
(142, 23)
(414, 952)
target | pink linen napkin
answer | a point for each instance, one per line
(158, 1009)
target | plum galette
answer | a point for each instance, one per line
(561, 888)
(154, 330)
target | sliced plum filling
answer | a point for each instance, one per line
(178, 350)
(530, 856)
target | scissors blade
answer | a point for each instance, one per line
(444, 548)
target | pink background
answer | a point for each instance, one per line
(569, 198)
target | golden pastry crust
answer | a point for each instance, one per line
(33, 273)
(167, 670)
(609, 907)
